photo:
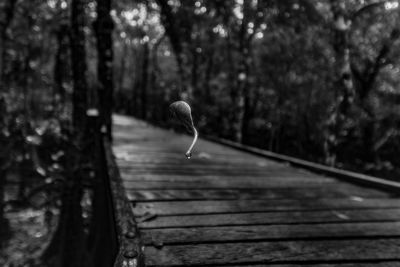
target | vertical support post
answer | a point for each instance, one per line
(102, 241)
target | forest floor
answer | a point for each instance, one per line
(29, 236)
(30, 232)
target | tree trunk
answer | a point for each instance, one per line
(208, 74)
(169, 22)
(144, 81)
(8, 10)
(122, 67)
(241, 94)
(196, 65)
(135, 79)
(67, 247)
(365, 82)
(79, 66)
(5, 22)
(344, 89)
(60, 64)
(4, 226)
(103, 27)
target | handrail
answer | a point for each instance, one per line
(348, 176)
(113, 236)
(130, 248)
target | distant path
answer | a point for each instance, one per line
(224, 207)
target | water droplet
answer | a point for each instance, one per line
(341, 215)
(356, 198)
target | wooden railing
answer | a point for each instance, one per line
(130, 249)
(348, 176)
(114, 238)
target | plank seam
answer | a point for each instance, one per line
(277, 239)
(268, 224)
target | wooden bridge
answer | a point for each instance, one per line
(226, 207)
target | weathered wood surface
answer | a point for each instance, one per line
(251, 193)
(240, 206)
(230, 208)
(266, 218)
(220, 234)
(275, 252)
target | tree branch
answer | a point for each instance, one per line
(368, 8)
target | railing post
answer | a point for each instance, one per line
(102, 241)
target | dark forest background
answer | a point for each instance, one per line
(314, 79)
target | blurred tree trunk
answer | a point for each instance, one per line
(344, 89)
(169, 22)
(144, 80)
(4, 227)
(67, 247)
(5, 21)
(365, 82)
(4, 160)
(241, 95)
(239, 90)
(79, 66)
(60, 64)
(158, 113)
(196, 58)
(133, 104)
(119, 98)
(104, 26)
(208, 74)
(122, 67)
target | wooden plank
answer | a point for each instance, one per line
(270, 232)
(275, 252)
(217, 184)
(187, 173)
(270, 193)
(132, 159)
(234, 206)
(173, 164)
(172, 147)
(129, 158)
(163, 175)
(226, 180)
(216, 172)
(264, 218)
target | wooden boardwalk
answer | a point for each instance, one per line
(224, 207)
